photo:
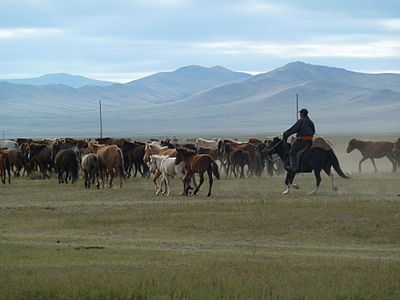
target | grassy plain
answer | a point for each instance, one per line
(245, 242)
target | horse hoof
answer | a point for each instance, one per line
(335, 189)
(286, 192)
(295, 186)
(312, 193)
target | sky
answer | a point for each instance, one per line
(122, 40)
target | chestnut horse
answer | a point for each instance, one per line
(111, 162)
(372, 150)
(196, 163)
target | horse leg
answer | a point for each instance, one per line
(160, 187)
(359, 164)
(242, 170)
(201, 175)
(288, 181)
(394, 163)
(186, 181)
(167, 185)
(111, 174)
(327, 170)
(97, 178)
(210, 181)
(227, 168)
(85, 179)
(156, 175)
(9, 175)
(373, 162)
(317, 173)
(234, 166)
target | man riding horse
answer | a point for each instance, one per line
(305, 130)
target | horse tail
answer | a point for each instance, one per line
(121, 169)
(215, 169)
(74, 168)
(7, 163)
(335, 163)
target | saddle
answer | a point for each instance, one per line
(298, 157)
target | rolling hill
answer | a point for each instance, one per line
(74, 81)
(197, 100)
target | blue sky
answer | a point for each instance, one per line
(122, 40)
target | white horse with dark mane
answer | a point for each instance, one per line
(168, 170)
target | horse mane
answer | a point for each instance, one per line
(186, 152)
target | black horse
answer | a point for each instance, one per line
(312, 159)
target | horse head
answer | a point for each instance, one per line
(182, 154)
(277, 146)
(351, 146)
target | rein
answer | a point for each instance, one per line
(275, 145)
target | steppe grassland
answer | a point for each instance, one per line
(245, 242)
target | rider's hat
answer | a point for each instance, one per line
(303, 111)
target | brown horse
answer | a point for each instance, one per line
(255, 165)
(372, 150)
(196, 163)
(5, 166)
(111, 162)
(237, 159)
(90, 167)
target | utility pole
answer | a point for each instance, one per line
(101, 121)
(297, 107)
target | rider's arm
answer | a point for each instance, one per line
(295, 128)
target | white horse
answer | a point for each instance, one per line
(167, 168)
(206, 143)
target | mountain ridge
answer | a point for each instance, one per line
(338, 100)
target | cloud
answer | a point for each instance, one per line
(390, 24)
(7, 33)
(380, 49)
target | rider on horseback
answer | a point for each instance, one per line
(304, 129)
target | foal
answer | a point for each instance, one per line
(196, 163)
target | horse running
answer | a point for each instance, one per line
(312, 159)
(168, 169)
(196, 163)
(372, 150)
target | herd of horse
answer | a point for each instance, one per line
(103, 159)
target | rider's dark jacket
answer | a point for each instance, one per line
(303, 127)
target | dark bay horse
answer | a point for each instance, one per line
(196, 163)
(372, 150)
(66, 163)
(312, 159)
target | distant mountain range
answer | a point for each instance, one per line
(75, 81)
(199, 100)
